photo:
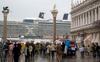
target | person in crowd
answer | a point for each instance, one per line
(27, 50)
(33, 48)
(16, 53)
(48, 50)
(44, 48)
(82, 50)
(58, 51)
(52, 49)
(19, 46)
(88, 50)
(63, 47)
(6, 49)
(94, 50)
(36, 48)
(15, 44)
(97, 49)
(11, 46)
(22, 45)
(39, 50)
(73, 49)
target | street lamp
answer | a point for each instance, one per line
(54, 13)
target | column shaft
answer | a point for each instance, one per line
(96, 14)
(89, 17)
(86, 18)
(80, 20)
(92, 18)
(54, 29)
(76, 21)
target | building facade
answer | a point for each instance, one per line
(85, 21)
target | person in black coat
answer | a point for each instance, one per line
(63, 48)
(97, 50)
(16, 53)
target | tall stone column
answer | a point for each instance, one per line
(96, 14)
(99, 13)
(5, 26)
(54, 13)
(89, 17)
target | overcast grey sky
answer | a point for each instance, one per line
(22, 9)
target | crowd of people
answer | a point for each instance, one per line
(65, 49)
(95, 48)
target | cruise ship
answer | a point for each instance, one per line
(37, 27)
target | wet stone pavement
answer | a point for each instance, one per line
(41, 58)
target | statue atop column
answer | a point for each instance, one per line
(54, 7)
(5, 9)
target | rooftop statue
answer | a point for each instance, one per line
(54, 7)
(6, 9)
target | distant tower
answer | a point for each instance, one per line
(65, 17)
(41, 15)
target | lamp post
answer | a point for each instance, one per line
(5, 12)
(54, 13)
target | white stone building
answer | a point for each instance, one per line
(85, 21)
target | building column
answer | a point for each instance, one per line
(92, 16)
(80, 20)
(89, 17)
(95, 14)
(83, 18)
(71, 22)
(99, 13)
(86, 18)
(76, 21)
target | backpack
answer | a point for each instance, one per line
(73, 44)
(5, 46)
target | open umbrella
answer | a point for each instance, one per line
(57, 41)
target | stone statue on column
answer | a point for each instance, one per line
(5, 9)
(54, 7)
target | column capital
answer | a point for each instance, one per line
(54, 12)
(5, 13)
